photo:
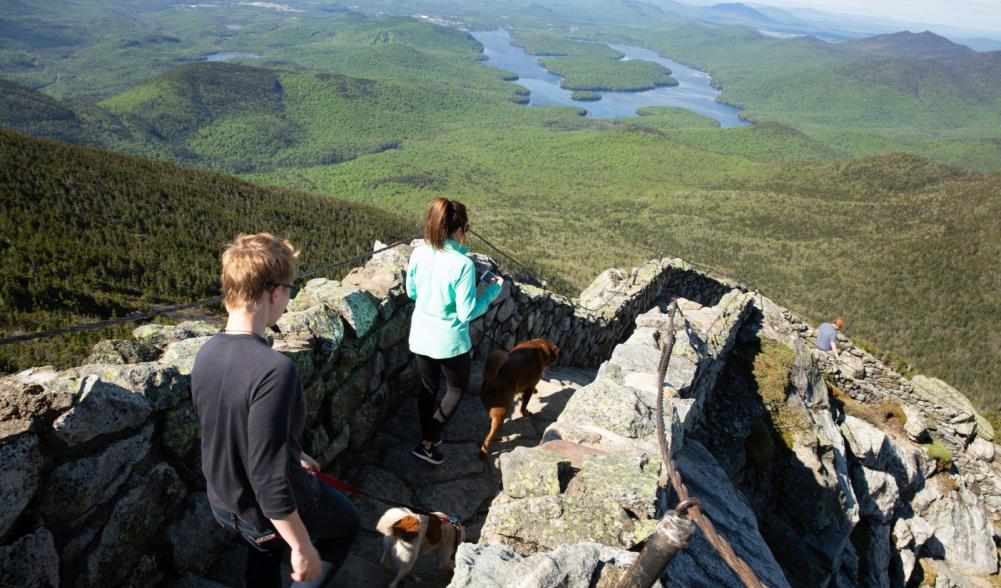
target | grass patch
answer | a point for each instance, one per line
(937, 451)
(888, 415)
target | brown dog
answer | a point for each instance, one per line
(508, 374)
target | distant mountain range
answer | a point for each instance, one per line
(824, 25)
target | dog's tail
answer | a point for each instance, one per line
(389, 518)
(495, 359)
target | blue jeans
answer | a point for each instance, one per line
(332, 523)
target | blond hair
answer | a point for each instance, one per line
(253, 264)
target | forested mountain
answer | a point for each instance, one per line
(862, 162)
(88, 234)
(908, 45)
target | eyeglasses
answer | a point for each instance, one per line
(292, 290)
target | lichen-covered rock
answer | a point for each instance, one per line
(531, 472)
(345, 398)
(164, 386)
(181, 354)
(30, 562)
(318, 324)
(915, 426)
(181, 430)
(74, 487)
(354, 305)
(612, 505)
(19, 465)
(122, 351)
(582, 565)
(135, 517)
(100, 408)
(195, 538)
(163, 335)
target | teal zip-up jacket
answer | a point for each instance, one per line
(443, 284)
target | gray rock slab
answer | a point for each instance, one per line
(30, 561)
(101, 408)
(733, 519)
(74, 487)
(19, 465)
(461, 459)
(164, 386)
(580, 565)
(459, 498)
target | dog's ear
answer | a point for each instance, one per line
(434, 530)
(408, 528)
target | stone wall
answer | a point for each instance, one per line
(100, 481)
(856, 501)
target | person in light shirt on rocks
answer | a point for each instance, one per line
(827, 337)
(442, 282)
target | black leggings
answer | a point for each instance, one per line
(434, 415)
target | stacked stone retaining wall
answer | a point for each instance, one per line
(100, 480)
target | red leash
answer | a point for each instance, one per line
(356, 491)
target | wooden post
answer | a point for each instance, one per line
(671, 535)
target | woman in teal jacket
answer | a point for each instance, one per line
(442, 282)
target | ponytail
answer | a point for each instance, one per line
(443, 218)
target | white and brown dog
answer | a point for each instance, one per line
(408, 536)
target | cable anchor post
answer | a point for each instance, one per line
(671, 535)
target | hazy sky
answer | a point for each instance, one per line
(973, 14)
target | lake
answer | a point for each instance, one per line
(227, 55)
(694, 91)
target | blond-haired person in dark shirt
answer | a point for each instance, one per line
(250, 403)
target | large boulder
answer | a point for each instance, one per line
(317, 324)
(181, 354)
(610, 501)
(76, 486)
(19, 466)
(30, 562)
(162, 385)
(700, 564)
(122, 351)
(31, 398)
(163, 335)
(101, 408)
(581, 565)
(964, 533)
(354, 305)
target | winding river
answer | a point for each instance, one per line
(693, 92)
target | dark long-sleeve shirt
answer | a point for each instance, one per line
(250, 404)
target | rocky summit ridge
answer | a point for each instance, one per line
(817, 472)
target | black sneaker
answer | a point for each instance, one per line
(438, 442)
(431, 455)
